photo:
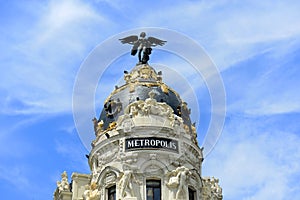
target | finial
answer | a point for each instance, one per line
(142, 45)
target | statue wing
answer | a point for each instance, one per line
(154, 41)
(130, 39)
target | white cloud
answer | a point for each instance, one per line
(270, 87)
(230, 31)
(65, 22)
(254, 162)
(49, 53)
(39, 78)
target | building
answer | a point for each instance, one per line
(145, 147)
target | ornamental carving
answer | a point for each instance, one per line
(126, 184)
(192, 155)
(211, 189)
(184, 112)
(108, 155)
(91, 192)
(143, 72)
(178, 182)
(63, 185)
(149, 107)
(98, 126)
(194, 134)
(112, 108)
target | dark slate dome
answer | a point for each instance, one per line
(139, 82)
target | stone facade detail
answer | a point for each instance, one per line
(211, 189)
(144, 134)
(178, 183)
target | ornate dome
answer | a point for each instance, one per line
(142, 80)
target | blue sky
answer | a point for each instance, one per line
(254, 44)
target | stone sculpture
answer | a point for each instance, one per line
(211, 189)
(178, 180)
(91, 192)
(149, 107)
(142, 45)
(63, 185)
(125, 185)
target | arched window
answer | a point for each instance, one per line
(111, 193)
(153, 189)
(192, 194)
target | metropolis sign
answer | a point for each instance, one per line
(151, 143)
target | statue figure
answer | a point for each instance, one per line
(59, 186)
(184, 112)
(112, 108)
(98, 126)
(179, 181)
(95, 122)
(216, 189)
(149, 107)
(91, 192)
(125, 184)
(194, 133)
(142, 45)
(86, 193)
(63, 185)
(211, 189)
(176, 121)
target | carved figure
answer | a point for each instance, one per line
(91, 192)
(211, 189)
(112, 108)
(98, 126)
(182, 176)
(59, 186)
(145, 72)
(125, 184)
(142, 45)
(95, 122)
(216, 189)
(149, 106)
(194, 133)
(179, 181)
(63, 185)
(184, 112)
(177, 121)
(97, 162)
(86, 193)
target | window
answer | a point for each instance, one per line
(111, 193)
(192, 194)
(153, 190)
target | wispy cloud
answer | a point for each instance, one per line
(230, 35)
(39, 78)
(254, 160)
(264, 85)
(16, 177)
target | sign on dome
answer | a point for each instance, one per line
(141, 143)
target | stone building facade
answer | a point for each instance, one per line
(145, 147)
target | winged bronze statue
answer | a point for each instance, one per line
(142, 45)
